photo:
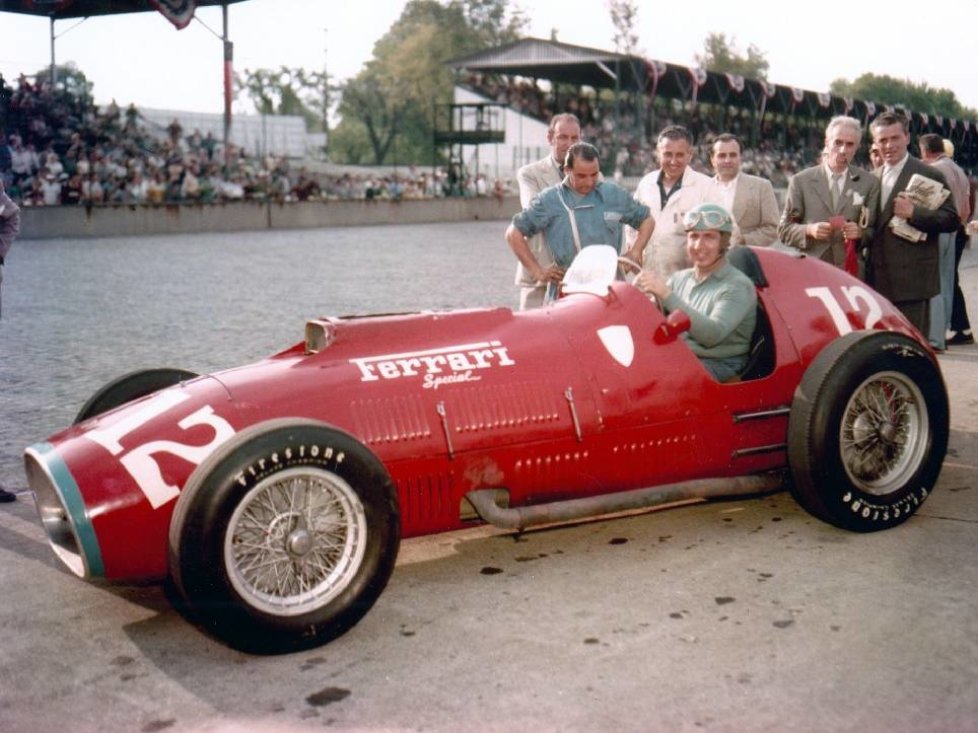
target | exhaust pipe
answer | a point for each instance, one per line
(487, 501)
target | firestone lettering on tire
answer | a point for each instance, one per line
(875, 512)
(306, 455)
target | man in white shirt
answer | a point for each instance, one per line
(749, 198)
(670, 192)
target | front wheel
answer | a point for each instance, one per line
(285, 537)
(868, 431)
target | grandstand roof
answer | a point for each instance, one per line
(559, 62)
(536, 58)
(57, 9)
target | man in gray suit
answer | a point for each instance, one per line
(906, 272)
(564, 131)
(749, 198)
(832, 202)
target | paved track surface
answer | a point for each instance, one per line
(725, 616)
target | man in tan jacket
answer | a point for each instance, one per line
(564, 131)
(749, 198)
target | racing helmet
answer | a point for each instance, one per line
(707, 217)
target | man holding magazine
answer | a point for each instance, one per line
(902, 269)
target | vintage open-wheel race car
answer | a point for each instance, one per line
(274, 496)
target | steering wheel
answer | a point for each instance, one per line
(628, 268)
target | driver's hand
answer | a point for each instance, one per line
(650, 283)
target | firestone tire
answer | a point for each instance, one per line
(868, 431)
(284, 537)
(129, 387)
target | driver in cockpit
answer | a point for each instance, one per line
(719, 299)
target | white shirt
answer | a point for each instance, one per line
(840, 182)
(889, 176)
(726, 191)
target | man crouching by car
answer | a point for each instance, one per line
(719, 299)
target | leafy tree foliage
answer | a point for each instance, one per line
(71, 79)
(720, 55)
(390, 103)
(286, 91)
(917, 97)
(624, 17)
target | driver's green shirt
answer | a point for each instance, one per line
(722, 311)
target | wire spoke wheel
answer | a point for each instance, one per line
(296, 540)
(880, 436)
(284, 537)
(868, 431)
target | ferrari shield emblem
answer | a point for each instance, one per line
(618, 341)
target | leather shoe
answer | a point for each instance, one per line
(7, 496)
(961, 338)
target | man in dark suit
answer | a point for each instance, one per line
(906, 272)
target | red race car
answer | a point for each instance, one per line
(274, 495)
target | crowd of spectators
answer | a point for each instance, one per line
(786, 145)
(57, 147)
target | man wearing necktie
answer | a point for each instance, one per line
(831, 208)
(905, 272)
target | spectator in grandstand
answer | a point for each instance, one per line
(903, 271)
(71, 193)
(581, 210)
(749, 198)
(92, 191)
(932, 153)
(306, 187)
(137, 189)
(156, 188)
(564, 130)
(24, 162)
(818, 196)
(669, 193)
(50, 189)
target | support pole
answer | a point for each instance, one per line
(54, 68)
(228, 86)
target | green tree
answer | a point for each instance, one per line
(71, 80)
(285, 91)
(884, 89)
(392, 99)
(624, 17)
(720, 55)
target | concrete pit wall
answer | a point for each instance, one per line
(130, 221)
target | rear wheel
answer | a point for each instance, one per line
(129, 387)
(868, 431)
(285, 537)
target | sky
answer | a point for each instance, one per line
(140, 58)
